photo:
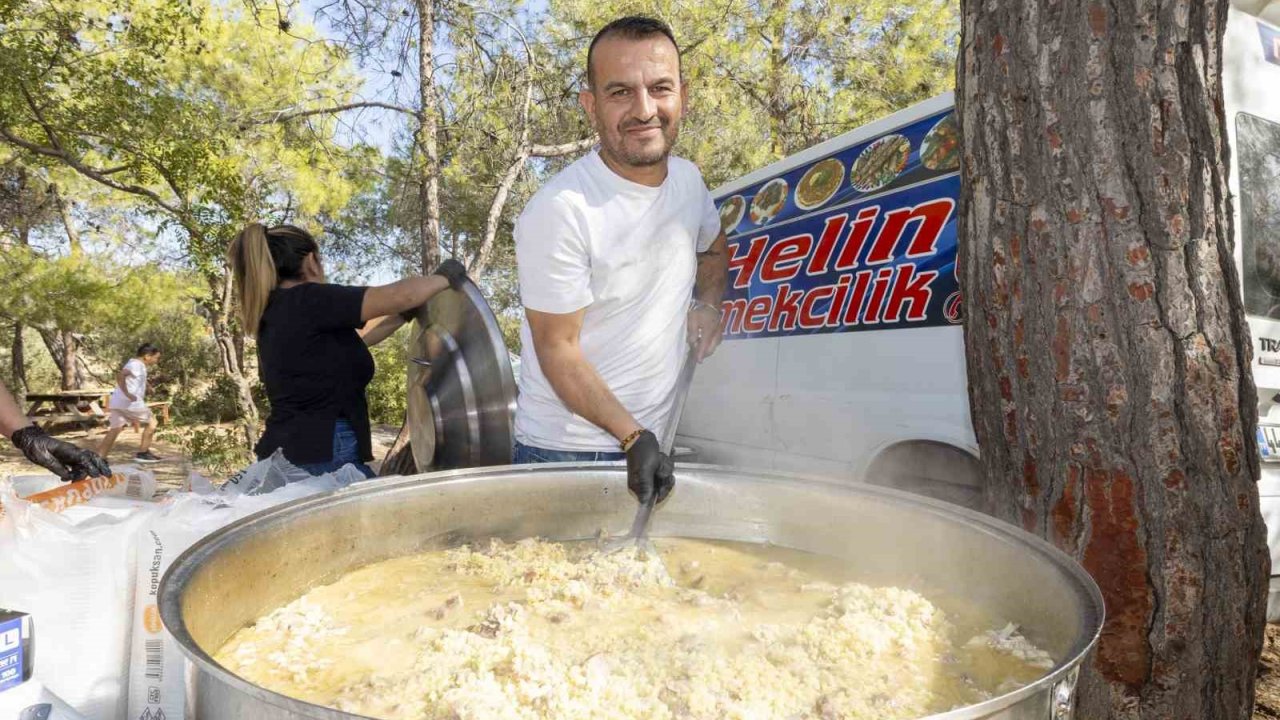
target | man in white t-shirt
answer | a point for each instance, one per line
(621, 263)
(128, 404)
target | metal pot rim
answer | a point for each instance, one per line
(175, 577)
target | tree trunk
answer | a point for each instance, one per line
(426, 152)
(52, 340)
(224, 338)
(71, 377)
(18, 354)
(778, 107)
(1108, 353)
(18, 364)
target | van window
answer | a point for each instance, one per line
(1258, 153)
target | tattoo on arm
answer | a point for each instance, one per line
(713, 273)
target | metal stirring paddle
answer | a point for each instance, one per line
(640, 526)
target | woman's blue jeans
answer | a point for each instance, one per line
(346, 451)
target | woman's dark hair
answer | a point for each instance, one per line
(146, 349)
(261, 258)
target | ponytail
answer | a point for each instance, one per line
(254, 273)
(260, 258)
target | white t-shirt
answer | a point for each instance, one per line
(627, 253)
(136, 384)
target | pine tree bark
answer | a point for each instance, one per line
(17, 350)
(224, 338)
(426, 148)
(1108, 354)
(72, 379)
(18, 364)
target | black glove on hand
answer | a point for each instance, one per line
(64, 459)
(453, 271)
(648, 470)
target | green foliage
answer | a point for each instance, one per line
(112, 308)
(767, 79)
(176, 99)
(215, 450)
(214, 404)
(40, 370)
(386, 393)
(165, 120)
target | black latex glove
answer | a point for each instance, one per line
(62, 458)
(453, 271)
(648, 470)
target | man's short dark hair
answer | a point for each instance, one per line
(146, 349)
(632, 27)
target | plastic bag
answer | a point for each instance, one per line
(74, 572)
(127, 481)
(265, 476)
(33, 701)
(51, 493)
(156, 680)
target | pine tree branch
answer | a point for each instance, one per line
(285, 116)
(92, 173)
(577, 146)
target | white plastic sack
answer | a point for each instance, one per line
(156, 678)
(139, 484)
(265, 476)
(33, 701)
(74, 572)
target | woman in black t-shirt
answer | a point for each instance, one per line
(313, 341)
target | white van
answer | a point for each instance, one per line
(843, 354)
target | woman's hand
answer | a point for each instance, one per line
(453, 271)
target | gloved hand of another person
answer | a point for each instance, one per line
(453, 271)
(62, 458)
(649, 471)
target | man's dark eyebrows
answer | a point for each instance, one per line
(666, 80)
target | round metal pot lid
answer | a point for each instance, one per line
(461, 391)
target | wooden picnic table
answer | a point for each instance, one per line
(68, 406)
(80, 406)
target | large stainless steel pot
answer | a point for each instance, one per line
(238, 574)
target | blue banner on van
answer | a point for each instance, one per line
(1270, 43)
(863, 239)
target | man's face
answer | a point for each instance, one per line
(636, 100)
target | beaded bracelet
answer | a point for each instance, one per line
(628, 440)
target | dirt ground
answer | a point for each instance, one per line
(174, 467)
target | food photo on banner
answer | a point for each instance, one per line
(862, 239)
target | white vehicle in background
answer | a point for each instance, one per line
(843, 354)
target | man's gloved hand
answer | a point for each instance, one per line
(453, 271)
(64, 459)
(648, 470)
